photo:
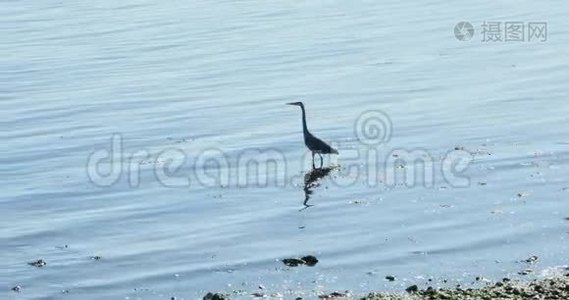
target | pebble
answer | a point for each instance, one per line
(412, 289)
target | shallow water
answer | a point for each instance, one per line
(190, 80)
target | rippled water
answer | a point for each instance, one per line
(202, 77)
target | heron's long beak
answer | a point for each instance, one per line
(291, 103)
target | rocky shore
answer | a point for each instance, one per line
(550, 289)
(556, 288)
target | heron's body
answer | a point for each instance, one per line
(314, 144)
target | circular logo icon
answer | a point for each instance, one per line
(463, 31)
(373, 127)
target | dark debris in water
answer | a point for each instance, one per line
(335, 295)
(17, 289)
(215, 296)
(532, 259)
(525, 272)
(308, 260)
(292, 262)
(40, 263)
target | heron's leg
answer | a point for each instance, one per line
(313, 166)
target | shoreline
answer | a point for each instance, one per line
(549, 288)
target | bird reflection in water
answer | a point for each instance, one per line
(312, 181)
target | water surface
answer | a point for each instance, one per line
(202, 75)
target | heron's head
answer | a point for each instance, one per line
(295, 103)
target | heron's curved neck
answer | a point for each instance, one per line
(304, 127)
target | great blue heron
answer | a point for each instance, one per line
(314, 144)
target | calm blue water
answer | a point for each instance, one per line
(194, 86)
